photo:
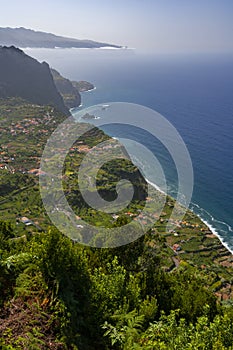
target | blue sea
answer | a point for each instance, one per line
(194, 92)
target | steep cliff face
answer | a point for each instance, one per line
(70, 94)
(70, 90)
(23, 76)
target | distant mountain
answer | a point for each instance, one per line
(22, 37)
(23, 76)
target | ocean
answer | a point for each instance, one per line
(194, 92)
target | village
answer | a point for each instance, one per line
(34, 130)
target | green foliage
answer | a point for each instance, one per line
(127, 330)
(100, 299)
(170, 332)
(6, 233)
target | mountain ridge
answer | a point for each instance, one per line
(23, 76)
(23, 37)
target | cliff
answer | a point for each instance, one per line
(70, 94)
(22, 76)
(23, 37)
(70, 90)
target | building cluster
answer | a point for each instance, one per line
(9, 154)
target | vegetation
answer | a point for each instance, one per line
(58, 294)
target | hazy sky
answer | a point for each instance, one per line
(164, 25)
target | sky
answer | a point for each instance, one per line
(164, 26)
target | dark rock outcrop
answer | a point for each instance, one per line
(23, 76)
(83, 86)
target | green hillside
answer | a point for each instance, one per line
(166, 290)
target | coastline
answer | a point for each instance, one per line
(88, 90)
(156, 187)
(214, 231)
(210, 227)
(81, 105)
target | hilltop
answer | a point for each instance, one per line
(23, 37)
(23, 76)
